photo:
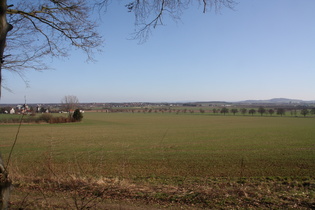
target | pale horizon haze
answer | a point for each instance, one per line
(260, 50)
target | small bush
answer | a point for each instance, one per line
(46, 118)
(60, 120)
(77, 115)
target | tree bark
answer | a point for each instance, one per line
(4, 28)
(5, 183)
(5, 186)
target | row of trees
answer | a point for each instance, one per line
(71, 103)
(224, 110)
(261, 110)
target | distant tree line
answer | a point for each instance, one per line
(262, 111)
(265, 111)
(224, 110)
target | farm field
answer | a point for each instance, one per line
(184, 153)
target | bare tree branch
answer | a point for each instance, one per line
(5, 27)
(174, 9)
(44, 27)
(150, 13)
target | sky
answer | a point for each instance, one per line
(259, 50)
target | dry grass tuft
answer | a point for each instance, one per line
(75, 192)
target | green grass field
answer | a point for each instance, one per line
(164, 147)
(125, 144)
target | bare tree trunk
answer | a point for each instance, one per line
(4, 28)
(5, 183)
(5, 186)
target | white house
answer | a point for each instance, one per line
(12, 111)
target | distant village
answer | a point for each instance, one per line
(26, 109)
(59, 108)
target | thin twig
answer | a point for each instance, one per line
(15, 140)
(23, 203)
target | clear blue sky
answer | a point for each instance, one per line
(262, 50)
